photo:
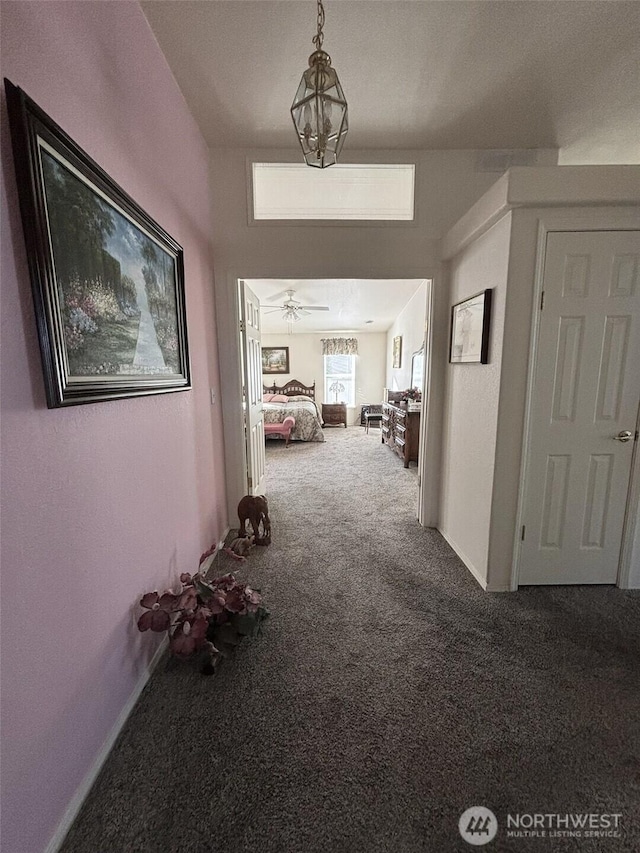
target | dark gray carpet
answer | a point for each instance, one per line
(388, 694)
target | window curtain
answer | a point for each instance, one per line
(339, 346)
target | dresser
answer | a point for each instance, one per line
(334, 414)
(401, 431)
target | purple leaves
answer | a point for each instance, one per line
(217, 601)
(200, 609)
(189, 636)
(158, 608)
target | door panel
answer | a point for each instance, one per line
(252, 357)
(586, 390)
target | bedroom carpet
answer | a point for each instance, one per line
(388, 693)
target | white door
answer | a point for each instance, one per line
(252, 391)
(584, 409)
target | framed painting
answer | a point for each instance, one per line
(107, 281)
(397, 351)
(470, 321)
(275, 359)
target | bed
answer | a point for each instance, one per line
(298, 401)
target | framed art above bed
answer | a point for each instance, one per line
(275, 359)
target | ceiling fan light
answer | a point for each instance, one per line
(291, 314)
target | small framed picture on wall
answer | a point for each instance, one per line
(470, 322)
(275, 359)
(397, 351)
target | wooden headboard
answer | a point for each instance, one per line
(292, 388)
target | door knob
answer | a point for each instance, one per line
(625, 435)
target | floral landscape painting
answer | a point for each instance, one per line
(107, 280)
(275, 359)
(116, 286)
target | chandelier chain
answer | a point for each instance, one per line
(319, 37)
(319, 109)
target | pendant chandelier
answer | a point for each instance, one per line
(319, 109)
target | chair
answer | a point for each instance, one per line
(373, 415)
(283, 429)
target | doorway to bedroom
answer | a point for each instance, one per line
(324, 353)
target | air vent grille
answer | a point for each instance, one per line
(501, 159)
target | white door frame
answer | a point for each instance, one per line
(227, 298)
(589, 220)
(229, 355)
(430, 454)
(252, 389)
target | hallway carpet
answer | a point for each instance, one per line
(388, 693)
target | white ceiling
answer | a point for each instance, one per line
(417, 74)
(351, 303)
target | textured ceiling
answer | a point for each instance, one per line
(351, 302)
(435, 75)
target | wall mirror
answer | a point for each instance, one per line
(417, 369)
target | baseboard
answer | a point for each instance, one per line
(476, 574)
(498, 588)
(91, 775)
(206, 565)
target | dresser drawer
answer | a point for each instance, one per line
(334, 414)
(401, 431)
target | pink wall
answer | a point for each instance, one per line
(99, 502)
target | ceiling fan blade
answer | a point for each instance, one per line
(271, 310)
(314, 307)
(277, 297)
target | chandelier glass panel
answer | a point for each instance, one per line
(319, 109)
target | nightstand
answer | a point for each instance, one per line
(334, 414)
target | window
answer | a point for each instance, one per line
(357, 191)
(340, 369)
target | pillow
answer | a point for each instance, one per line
(267, 398)
(300, 398)
(279, 398)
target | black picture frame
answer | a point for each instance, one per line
(470, 327)
(107, 280)
(275, 360)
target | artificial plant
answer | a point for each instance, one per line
(204, 616)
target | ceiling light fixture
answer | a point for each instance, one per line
(319, 109)
(292, 309)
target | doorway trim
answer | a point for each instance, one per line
(430, 455)
(227, 302)
(571, 221)
(229, 342)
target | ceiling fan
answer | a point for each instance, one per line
(292, 309)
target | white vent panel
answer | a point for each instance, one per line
(341, 192)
